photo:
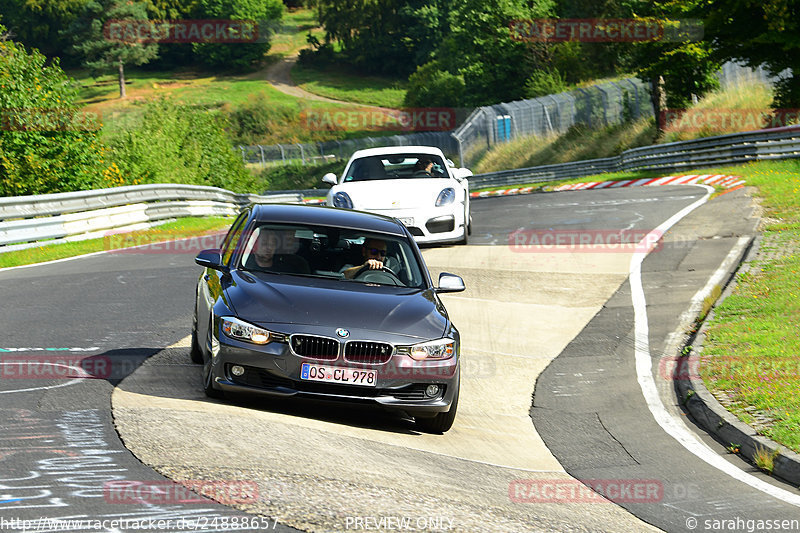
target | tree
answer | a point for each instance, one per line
(679, 67)
(390, 37)
(46, 144)
(432, 86)
(758, 34)
(238, 55)
(103, 52)
(38, 23)
(480, 48)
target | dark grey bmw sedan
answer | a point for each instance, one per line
(327, 303)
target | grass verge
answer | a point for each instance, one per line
(339, 84)
(179, 229)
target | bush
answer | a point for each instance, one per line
(258, 119)
(544, 82)
(46, 144)
(178, 143)
(296, 176)
(432, 86)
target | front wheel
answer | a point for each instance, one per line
(196, 353)
(208, 374)
(440, 423)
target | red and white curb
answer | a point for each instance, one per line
(501, 192)
(720, 180)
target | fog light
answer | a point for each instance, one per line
(237, 370)
(431, 391)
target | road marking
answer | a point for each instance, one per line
(669, 423)
(10, 350)
(45, 387)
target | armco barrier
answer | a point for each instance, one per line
(85, 214)
(25, 220)
(732, 149)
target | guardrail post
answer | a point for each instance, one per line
(302, 153)
(263, 161)
(283, 154)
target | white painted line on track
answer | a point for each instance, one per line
(45, 387)
(669, 423)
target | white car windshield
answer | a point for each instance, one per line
(396, 166)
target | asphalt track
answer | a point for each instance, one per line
(322, 467)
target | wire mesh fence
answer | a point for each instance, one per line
(594, 106)
(314, 153)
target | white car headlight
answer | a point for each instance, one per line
(438, 349)
(240, 330)
(447, 196)
(341, 199)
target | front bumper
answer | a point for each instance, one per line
(431, 225)
(274, 370)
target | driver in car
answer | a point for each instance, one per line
(374, 253)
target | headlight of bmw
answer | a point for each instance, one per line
(240, 330)
(447, 196)
(438, 349)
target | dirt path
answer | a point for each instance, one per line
(278, 74)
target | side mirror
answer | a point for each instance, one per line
(329, 178)
(210, 259)
(450, 283)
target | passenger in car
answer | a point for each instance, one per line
(265, 254)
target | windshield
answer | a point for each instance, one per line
(335, 253)
(396, 166)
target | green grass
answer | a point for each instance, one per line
(577, 144)
(752, 351)
(295, 26)
(185, 227)
(751, 95)
(340, 84)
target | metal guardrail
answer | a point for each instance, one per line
(27, 220)
(731, 149)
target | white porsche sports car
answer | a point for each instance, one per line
(415, 184)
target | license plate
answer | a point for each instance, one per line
(407, 221)
(338, 374)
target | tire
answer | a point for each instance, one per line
(467, 229)
(196, 353)
(439, 423)
(208, 378)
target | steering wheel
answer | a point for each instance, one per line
(365, 271)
